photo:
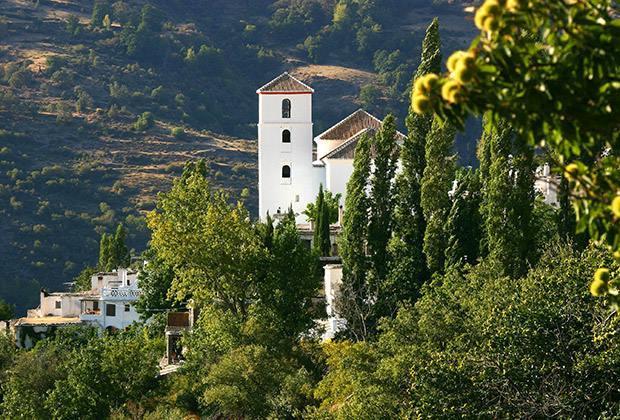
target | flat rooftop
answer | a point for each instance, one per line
(48, 320)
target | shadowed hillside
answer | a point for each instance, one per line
(101, 106)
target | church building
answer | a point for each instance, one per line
(292, 163)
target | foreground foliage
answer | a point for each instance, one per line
(479, 344)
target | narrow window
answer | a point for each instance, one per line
(286, 108)
(286, 136)
(96, 306)
(110, 310)
(286, 171)
(126, 308)
(58, 304)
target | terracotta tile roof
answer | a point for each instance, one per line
(349, 131)
(285, 83)
(347, 149)
(351, 126)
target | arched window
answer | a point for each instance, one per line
(286, 171)
(286, 108)
(286, 136)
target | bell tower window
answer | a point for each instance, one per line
(286, 136)
(286, 108)
(286, 171)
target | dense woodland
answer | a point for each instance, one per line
(471, 298)
(102, 103)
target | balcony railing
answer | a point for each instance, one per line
(121, 294)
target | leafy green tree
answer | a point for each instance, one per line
(321, 239)
(408, 271)
(241, 383)
(212, 245)
(436, 184)
(352, 303)
(333, 204)
(508, 201)
(155, 282)
(464, 224)
(34, 373)
(104, 375)
(369, 95)
(290, 281)
(82, 282)
(348, 389)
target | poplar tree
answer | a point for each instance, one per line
(113, 252)
(464, 224)
(508, 200)
(352, 302)
(483, 153)
(105, 252)
(436, 184)
(382, 201)
(121, 256)
(408, 268)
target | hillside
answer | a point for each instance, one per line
(99, 114)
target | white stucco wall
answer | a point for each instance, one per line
(337, 174)
(332, 282)
(274, 191)
(69, 305)
(122, 319)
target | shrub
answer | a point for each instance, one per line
(72, 25)
(144, 121)
(177, 132)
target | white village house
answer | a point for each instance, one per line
(108, 305)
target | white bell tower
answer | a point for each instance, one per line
(285, 175)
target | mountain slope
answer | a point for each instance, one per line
(97, 116)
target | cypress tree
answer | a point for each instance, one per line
(326, 245)
(508, 201)
(382, 201)
(351, 303)
(436, 184)
(121, 255)
(266, 231)
(321, 225)
(464, 224)
(408, 268)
